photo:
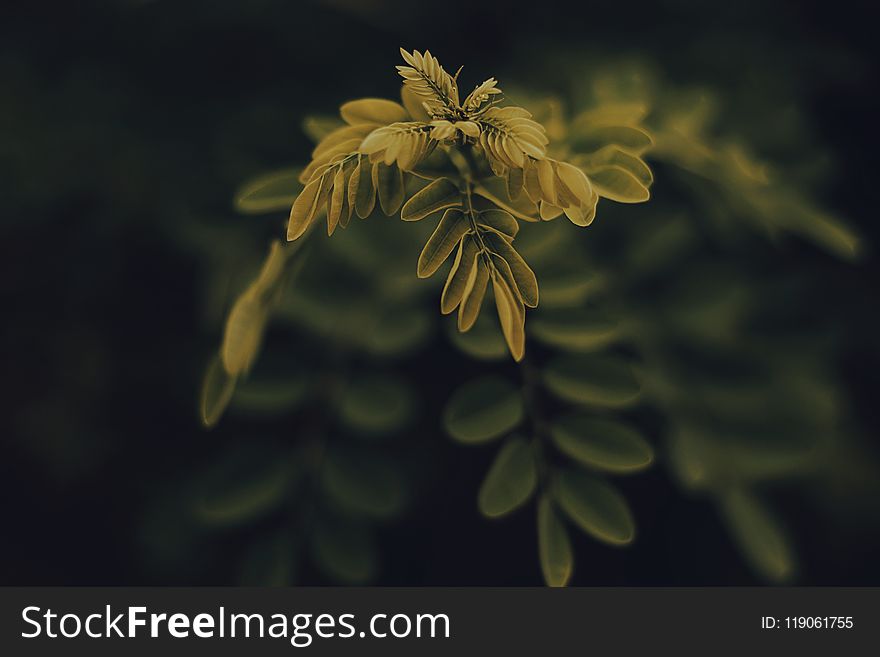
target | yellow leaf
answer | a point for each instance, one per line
(372, 110)
(388, 181)
(619, 184)
(445, 238)
(217, 389)
(474, 293)
(520, 273)
(465, 262)
(511, 315)
(438, 195)
(365, 193)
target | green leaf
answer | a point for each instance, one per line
(595, 506)
(398, 333)
(510, 481)
(554, 545)
(270, 192)
(372, 110)
(436, 196)
(601, 443)
(823, 229)
(270, 397)
(244, 486)
(364, 484)
(344, 551)
(758, 534)
(217, 390)
(568, 290)
(445, 238)
(594, 380)
(483, 409)
(574, 331)
(483, 341)
(376, 404)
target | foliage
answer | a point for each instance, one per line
(636, 321)
(485, 165)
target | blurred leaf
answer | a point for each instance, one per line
(661, 244)
(588, 138)
(595, 380)
(344, 551)
(397, 333)
(543, 242)
(270, 192)
(611, 158)
(243, 333)
(690, 459)
(484, 341)
(376, 404)
(601, 443)
(510, 481)
(758, 535)
(595, 506)
(483, 409)
(619, 184)
(373, 110)
(246, 322)
(217, 390)
(270, 397)
(364, 484)
(554, 546)
(575, 331)
(243, 486)
(820, 227)
(317, 127)
(565, 292)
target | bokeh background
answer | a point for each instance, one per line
(127, 126)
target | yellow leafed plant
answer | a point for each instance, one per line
(477, 165)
